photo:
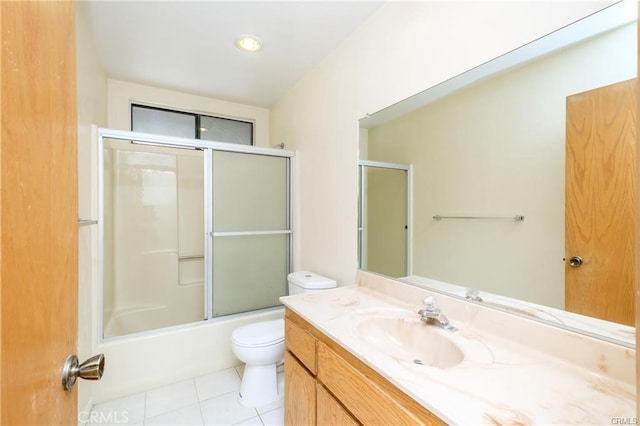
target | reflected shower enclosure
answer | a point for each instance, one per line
(384, 218)
(190, 230)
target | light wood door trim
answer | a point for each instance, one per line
(600, 202)
(38, 211)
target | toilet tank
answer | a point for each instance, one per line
(308, 282)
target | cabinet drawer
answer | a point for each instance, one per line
(302, 344)
(365, 398)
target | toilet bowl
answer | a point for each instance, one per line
(261, 346)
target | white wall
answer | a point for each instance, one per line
(404, 48)
(92, 109)
(122, 94)
(498, 148)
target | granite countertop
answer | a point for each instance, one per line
(494, 379)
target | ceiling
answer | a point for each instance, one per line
(189, 46)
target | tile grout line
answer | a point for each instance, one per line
(199, 402)
(195, 386)
(144, 409)
(201, 413)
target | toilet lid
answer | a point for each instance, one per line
(259, 334)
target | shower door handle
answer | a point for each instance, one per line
(91, 369)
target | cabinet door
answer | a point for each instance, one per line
(299, 393)
(330, 412)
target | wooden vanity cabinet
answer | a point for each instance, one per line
(330, 411)
(300, 393)
(326, 385)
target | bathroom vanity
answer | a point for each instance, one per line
(326, 385)
(360, 355)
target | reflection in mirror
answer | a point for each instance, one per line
(551, 139)
(383, 217)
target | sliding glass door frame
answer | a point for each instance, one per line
(362, 217)
(208, 147)
(211, 234)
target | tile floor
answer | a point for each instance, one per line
(206, 400)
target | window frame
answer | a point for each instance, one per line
(196, 115)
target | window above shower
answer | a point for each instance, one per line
(169, 122)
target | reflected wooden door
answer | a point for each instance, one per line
(600, 203)
(39, 212)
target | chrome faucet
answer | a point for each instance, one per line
(431, 314)
(472, 294)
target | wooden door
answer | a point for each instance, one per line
(38, 211)
(600, 210)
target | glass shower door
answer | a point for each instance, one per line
(153, 244)
(251, 231)
(383, 218)
(189, 230)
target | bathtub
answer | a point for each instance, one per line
(147, 360)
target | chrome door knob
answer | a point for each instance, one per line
(91, 369)
(575, 261)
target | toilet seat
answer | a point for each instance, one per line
(265, 333)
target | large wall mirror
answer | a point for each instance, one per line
(513, 184)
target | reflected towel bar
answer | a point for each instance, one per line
(85, 222)
(517, 218)
(191, 257)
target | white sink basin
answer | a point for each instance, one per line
(401, 335)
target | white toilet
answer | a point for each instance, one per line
(261, 346)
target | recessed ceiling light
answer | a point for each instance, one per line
(249, 43)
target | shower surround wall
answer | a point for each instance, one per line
(153, 258)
